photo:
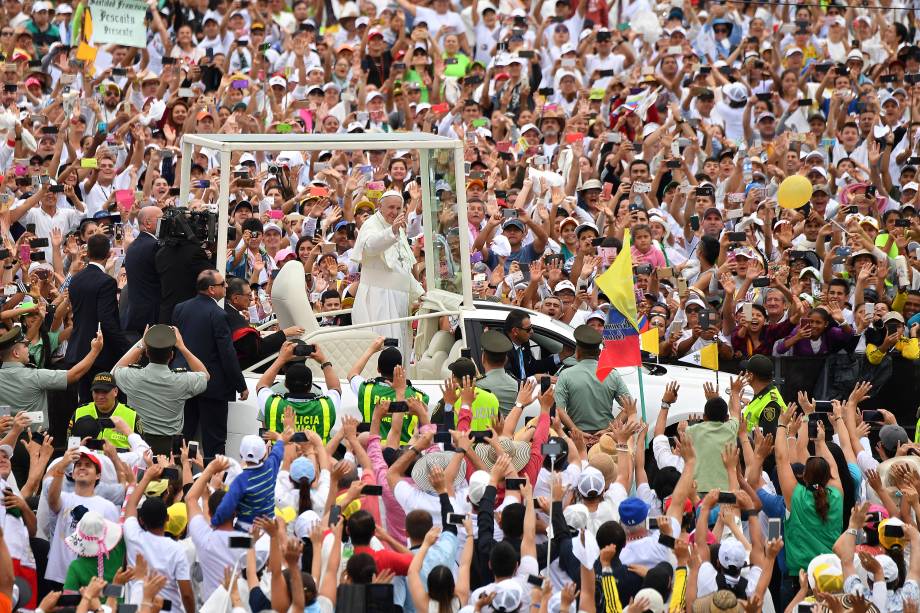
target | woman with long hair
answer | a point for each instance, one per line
(440, 592)
(814, 505)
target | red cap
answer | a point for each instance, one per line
(86, 453)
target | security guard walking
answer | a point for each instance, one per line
(371, 392)
(156, 392)
(495, 348)
(767, 404)
(311, 411)
(104, 406)
(26, 388)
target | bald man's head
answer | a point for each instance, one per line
(147, 218)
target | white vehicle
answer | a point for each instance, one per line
(448, 285)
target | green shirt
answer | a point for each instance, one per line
(82, 570)
(26, 389)
(458, 69)
(37, 349)
(589, 402)
(806, 536)
(709, 439)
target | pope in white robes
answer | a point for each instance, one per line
(387, 288)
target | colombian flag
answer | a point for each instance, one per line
(621, 331)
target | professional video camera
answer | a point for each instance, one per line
(178, 224)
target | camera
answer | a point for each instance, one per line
(180, 224)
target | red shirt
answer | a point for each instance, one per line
(384, 558)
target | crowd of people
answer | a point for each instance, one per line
(590, 127)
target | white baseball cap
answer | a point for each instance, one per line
(252, 449)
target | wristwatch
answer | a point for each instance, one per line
(325, 365)
(517, 405)
(665, 405)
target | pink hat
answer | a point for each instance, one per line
(284, 254)
(33, 81)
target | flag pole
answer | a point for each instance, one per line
(642, 404)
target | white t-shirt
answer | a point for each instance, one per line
(527, 567)
(164, 555)
(64, 220)
(706, 584)
(286, 495)
(96, 197)
(436, 20)
(60, 555)
(215, 553)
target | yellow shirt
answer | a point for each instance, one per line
(908, 347)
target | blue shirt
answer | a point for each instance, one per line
(252, 493)
(523, 256)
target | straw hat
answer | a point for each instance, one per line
(519, 451)
(421, 472)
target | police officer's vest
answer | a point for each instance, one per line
(484, 408)
(370, 393)
(118, 440)
(317, 414)
(754, 408)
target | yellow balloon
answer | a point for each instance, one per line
(794, 192)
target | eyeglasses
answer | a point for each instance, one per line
(221, 284)
(528, 329)
(6, 33)
(693, 310)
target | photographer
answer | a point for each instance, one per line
(179, 263)
(906, 346)
(311, 412)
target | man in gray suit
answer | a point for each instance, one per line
(495, 348)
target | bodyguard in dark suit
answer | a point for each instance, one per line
(206, 331)
(143, 298)
(94, 300)
(521, 361)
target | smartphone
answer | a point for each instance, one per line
(375, 490)
(480, 435)
(170, 474)
(535, 580)
(737, 237)
(823, 406)
(192, 449)
(761, 282)
(894, 531)
(70, 600)
(774, 528)
(553, 448)
(695, 223)
(73, 442)
(513, 484)
(545, 383)
(113, 591)
(37, 243)
(30, 228)
(398, 406)
(334, 514)
(727, 498)
(509, 214)
(651, 523)
(546, 91)
(391, 342)
(705, 320)
(456, 519)
(96, 444)
(241, 542)
(299, 437)
(872, 416)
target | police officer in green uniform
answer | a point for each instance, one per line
(495, 348)
(767, 404)
(25, 388)
(104, 406)
(370, 393)
(484, 406)
(155, 391)
(311, 411)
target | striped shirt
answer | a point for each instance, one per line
(252, 493)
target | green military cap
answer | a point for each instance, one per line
(463, 367)
(494, 341)
(10, 338)
(587, 336)
(160, 336)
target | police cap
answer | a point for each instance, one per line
(160, 336)
(494, 341)
(586, 336)
(11, 337)
(103, 382)
(463, 367)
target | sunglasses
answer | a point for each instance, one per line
(528, 329)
